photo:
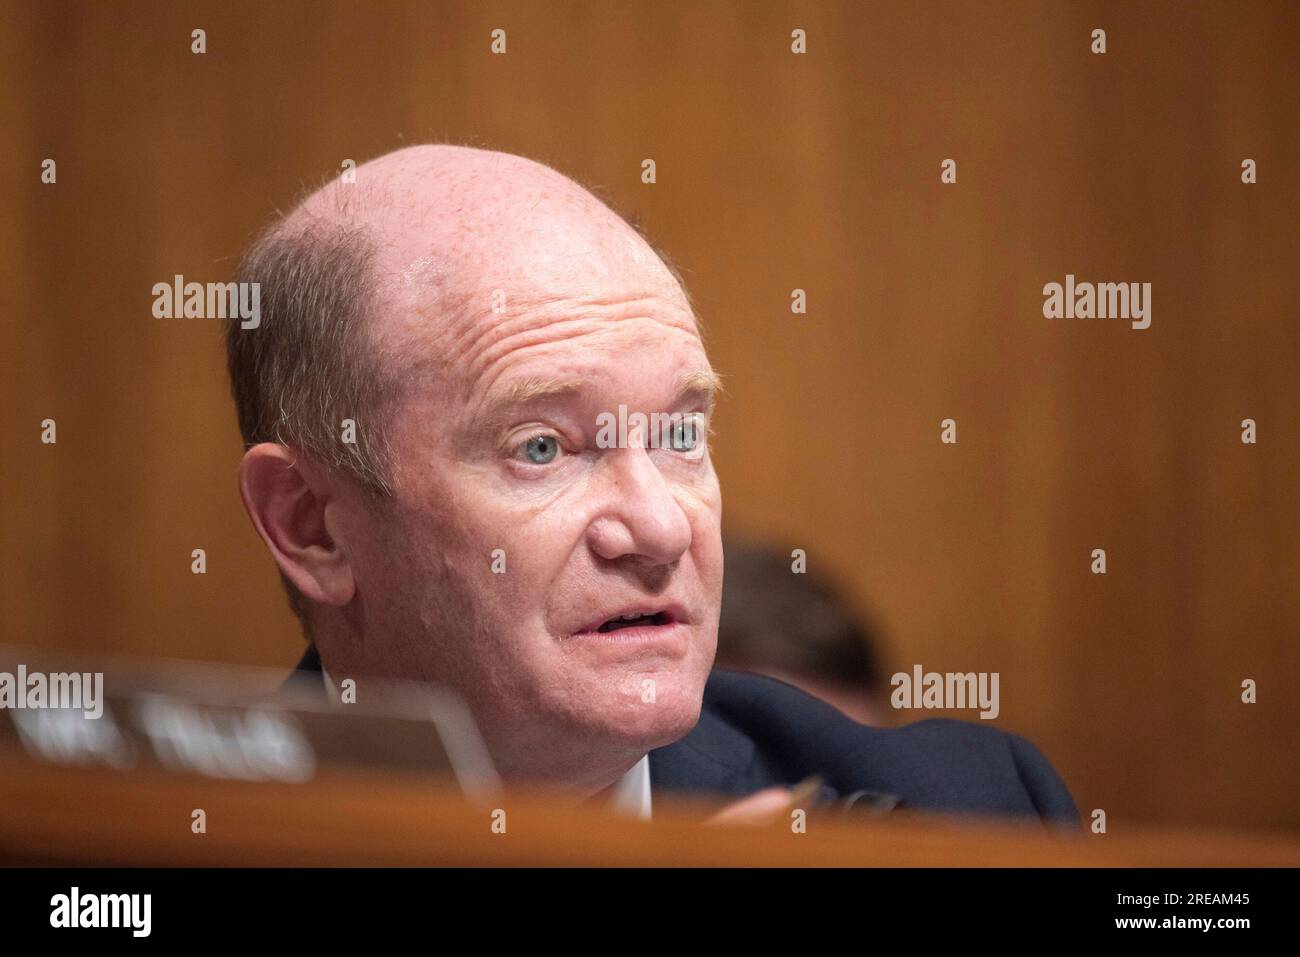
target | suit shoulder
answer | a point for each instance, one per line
(764, 706)
(728, 688)
(988, 759)
(940, 763)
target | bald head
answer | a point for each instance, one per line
(441, 213)
(466, 238)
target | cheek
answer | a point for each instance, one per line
(524, 553)
(705, 511)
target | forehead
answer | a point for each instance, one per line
(550, 295)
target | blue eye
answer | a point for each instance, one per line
(541, 449)
(684, 436)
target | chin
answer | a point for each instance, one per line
(673, 712)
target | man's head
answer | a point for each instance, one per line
(477, 316)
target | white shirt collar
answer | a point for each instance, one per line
(630, 796)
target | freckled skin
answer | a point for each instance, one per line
(585, 299)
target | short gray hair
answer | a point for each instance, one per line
(309, 363)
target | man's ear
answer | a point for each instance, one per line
(287, 504)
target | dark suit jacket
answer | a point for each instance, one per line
(755, 732)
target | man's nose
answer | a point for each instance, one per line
(643, 518)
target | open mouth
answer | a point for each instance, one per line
(652, 621)
(636, 621)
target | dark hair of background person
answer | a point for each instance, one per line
(796, 627)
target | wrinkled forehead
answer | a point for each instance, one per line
(455, 302)
(528, 245)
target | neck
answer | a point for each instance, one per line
(581, 780)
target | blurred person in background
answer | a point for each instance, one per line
(797, 627)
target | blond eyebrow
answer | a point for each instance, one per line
(703, 384)
(533, 389)
(500, 403)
